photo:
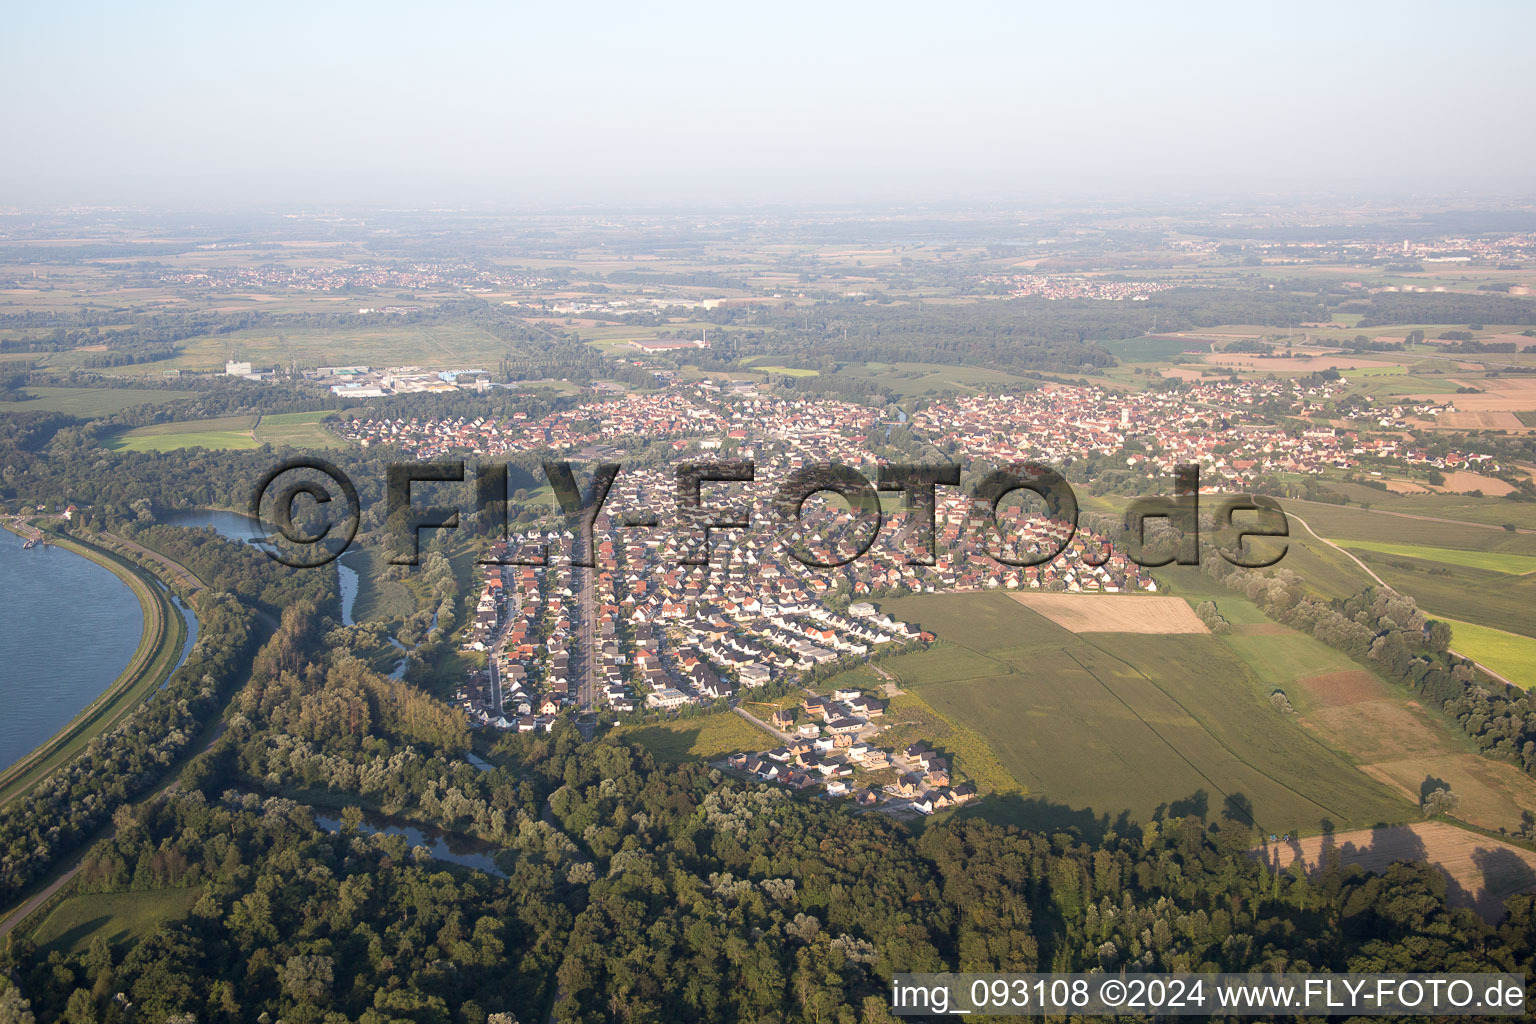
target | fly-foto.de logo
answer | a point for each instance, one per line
(301, 503)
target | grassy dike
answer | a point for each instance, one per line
(159, 647)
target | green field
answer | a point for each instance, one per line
(1458, 592)
(123, 917)
(1464, 570)
(1105, 725)
(789, 371)
(1152, 350)
(913, 379)
(388, 344)
(222, 433)
(1509, 654)
(296, 430)
(1493, 561)
(87, 402)
(708, 736)
(1471, 518)
(1344, 524)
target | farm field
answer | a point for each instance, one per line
(1493, 561)
(1280, 655)
(222, 433)
(1461, 571)
(1489, 511)
(297, 430)
(1480, 872)
(1194, 586)
(1493, 795)
(1511, 655)
(1328, 572)
(1301, 364)
(1381, 729)
(788, 371)
(909, 719)
(1113, 613)
(388, 344)
(912, 379)
(1345, 524)
(1153, 349)
(123, 917)
(1462, 594)
(1101, 726)
(92, 401)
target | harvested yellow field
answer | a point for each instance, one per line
(1480, 872)
(1115, 613)
(1486, 420)
(1461, 481)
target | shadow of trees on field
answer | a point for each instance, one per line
(1429, 785)
(1039, 814)
(1237, 807)
(1196, 805)
(1499, 872)
(74, 937)
(671, 745)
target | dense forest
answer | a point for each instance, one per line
(683, 896)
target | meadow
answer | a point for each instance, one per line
(296, 430)
(123, 917)
(1511, 655)
(1377, 726)
(218, 434)
(1458, 511)
(1493, 561)
(1428, 528)
(90, 402)
(387, 344)
(225, 433)
(707, 736)
(909, 380)
(1467, 571)
(1460, 593)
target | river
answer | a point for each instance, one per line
(242, 528)
(68, 630)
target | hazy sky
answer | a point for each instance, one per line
(512, 105)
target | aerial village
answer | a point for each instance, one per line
(677, 617)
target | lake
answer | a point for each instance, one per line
(69, 628)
